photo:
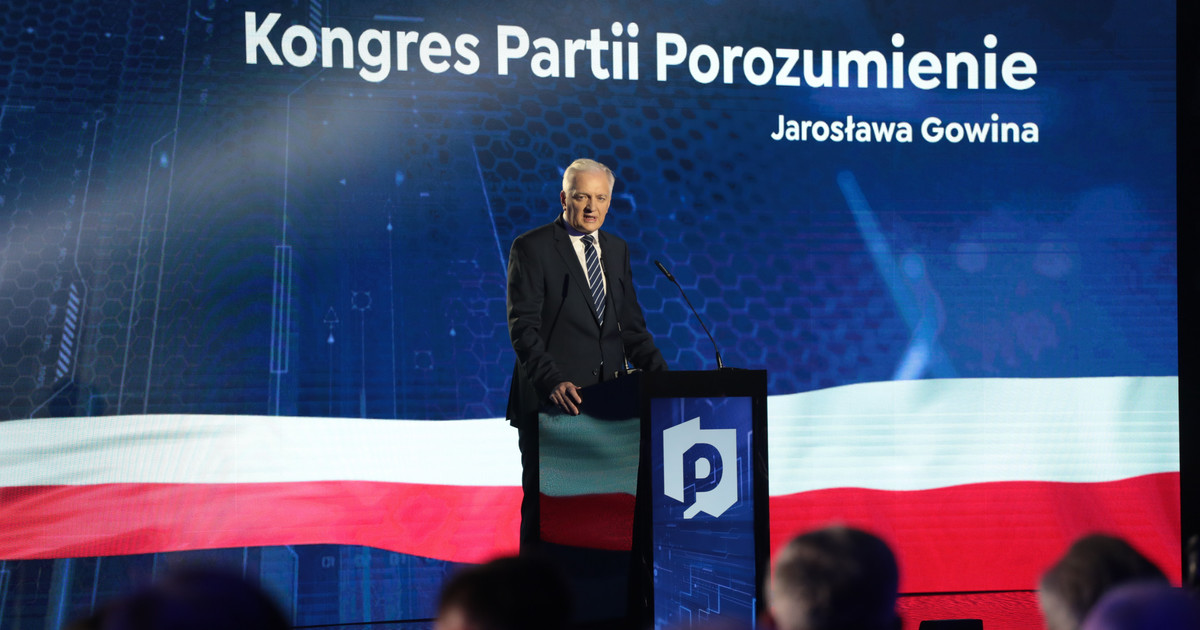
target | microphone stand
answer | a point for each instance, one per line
(720, 363)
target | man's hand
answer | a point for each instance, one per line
(566, 396)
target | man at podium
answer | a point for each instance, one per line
(573, 316)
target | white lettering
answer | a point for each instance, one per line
(677, 56)
(967, 60)
(778, 134)
(730, 55)
(341, 36)
(376, 66)
(404, 39)
(504, 52)
(256, 38)
(573, 47)
(1018, 63)
(597, 46)
(465, 45)
(435, 45)
(299, 46)
(826, 78)
(921, 64)
(302, 59)
(709, 54)
(544, 62)
(863, 62)
(931, 129)
(790, 56)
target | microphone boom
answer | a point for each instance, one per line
(720, 363)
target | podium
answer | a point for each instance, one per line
(654, 498)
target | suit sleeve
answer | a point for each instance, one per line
(526, 296)
(639, 343)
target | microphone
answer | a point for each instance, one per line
(720, 363)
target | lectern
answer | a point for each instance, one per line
(654, 499)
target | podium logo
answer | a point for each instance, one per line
(694, 458)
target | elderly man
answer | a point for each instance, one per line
(573, 315)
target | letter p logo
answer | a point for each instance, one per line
(694, 458)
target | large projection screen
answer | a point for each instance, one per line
(253, 258)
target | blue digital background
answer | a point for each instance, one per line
(269, 240)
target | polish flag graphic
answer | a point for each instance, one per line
(978, 484)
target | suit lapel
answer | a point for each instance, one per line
(613, 268)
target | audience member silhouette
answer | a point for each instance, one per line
(1144, 606)
(194, 599)
(1091, 567)
(1191, 569)
(837, 578)
(514, 593)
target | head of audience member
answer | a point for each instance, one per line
(586, 194)
(1144, 606)
(837, 578)
(514, 593)
(193, 599)
(1091, 567)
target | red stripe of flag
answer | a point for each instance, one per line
(988, 536)
(464, 524)
(996, 535)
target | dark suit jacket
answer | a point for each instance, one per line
(553, 327)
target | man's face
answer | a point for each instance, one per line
(586, 204)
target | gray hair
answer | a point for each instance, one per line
(584, 165)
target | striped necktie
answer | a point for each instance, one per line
(594, 278)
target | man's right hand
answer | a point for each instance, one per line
(566, 396)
